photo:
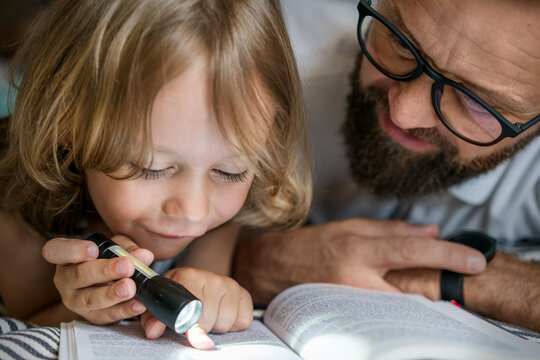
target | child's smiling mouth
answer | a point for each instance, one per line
(170, 235)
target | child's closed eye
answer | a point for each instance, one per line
(231, 177)
(152, 174)
(155, 174)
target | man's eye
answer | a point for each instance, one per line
(400, 46)
(235, 178)
(472, 105)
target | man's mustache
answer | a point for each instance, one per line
(430, 135)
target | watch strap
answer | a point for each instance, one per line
(452, 286)
(452, 282)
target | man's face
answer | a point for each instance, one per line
(396, 143)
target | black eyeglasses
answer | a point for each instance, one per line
(461, 111)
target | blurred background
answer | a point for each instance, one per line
(16, 18)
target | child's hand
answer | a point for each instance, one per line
(85, 283)
(226, 306)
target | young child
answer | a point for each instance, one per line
(153, 122)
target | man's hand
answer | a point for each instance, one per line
(357, 252)
(425, 282)
(508, 290)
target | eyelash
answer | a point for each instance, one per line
(399, 45)
(150, 174)
(234, 178)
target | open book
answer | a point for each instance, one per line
(320, 321)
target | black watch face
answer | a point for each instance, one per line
(477, 240)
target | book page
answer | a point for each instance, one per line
(331, 321)
(66, 347)
(127, 341)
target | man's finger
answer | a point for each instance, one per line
(417, 281)
(199, 339)
(378, 228)
(422, 252)
(372, 281)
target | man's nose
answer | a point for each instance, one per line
(410, 104)
(188, 200)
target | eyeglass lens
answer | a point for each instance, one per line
(459, 111)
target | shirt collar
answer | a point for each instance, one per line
(477, 190)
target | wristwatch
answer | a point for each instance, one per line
(452, 282)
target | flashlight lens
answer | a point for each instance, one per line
(188, 316)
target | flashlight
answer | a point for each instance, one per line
(167, 300)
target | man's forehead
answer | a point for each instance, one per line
(491, 45)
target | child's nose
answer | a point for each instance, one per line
(189, 201)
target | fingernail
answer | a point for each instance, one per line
(138, 307)
(122, 290)
(199, 339)
(205, 343)
(122, 267)
(476, 263)
(154, 328)
(92, 251)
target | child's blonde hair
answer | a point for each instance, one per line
(91, 70)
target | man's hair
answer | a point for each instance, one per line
(91, 70)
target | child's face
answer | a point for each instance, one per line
(196, 181)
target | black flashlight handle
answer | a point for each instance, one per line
(163, 297)
(104, 245)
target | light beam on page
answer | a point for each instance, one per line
(337, 346)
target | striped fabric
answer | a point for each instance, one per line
(20, 340)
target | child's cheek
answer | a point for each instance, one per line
(232, 201)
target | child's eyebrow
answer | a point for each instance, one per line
(491, 97)
(227, 156)
(163, 151)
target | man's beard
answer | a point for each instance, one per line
(386, 168)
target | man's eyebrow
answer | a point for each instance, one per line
(491, 97)
(498, 100)
(397, 21)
